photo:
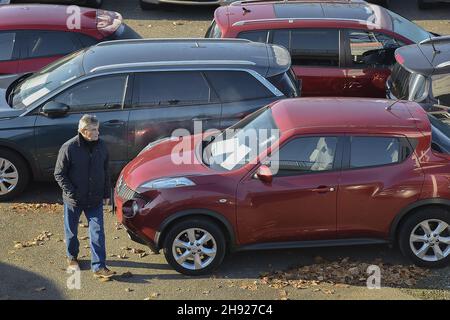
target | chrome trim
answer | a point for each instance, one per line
(291, 20)
(174, 40)
(172, 63)
(443, 65)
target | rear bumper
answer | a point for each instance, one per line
(184, 2)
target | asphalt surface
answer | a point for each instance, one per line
(38, 272)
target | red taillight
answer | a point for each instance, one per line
(108, 21)
(399, 58)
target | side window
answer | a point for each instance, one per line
(281, 38)
(171, 88)
(303, 155)
(106, 93)
(49, 43)
(315, 47)
(374, 151)
(256, 36)
(362, 41)
(232, 86)
(7, 41)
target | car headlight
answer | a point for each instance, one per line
(165, 183)
(152, 144)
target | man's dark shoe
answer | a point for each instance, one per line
(73, 264)
(104, 273)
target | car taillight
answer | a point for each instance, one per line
(399, 58)
(108, 22)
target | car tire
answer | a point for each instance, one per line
(423, 5)
(147, 6)
(11, 163)
(197, 228)
(94, 3)
(419, 242)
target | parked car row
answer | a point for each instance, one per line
(350, 170)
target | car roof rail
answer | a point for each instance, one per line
(241, 2)
(180, 40)
(434, 40)
(291, 20)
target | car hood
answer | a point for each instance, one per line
(171, 158)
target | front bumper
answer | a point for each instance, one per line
(134, 225)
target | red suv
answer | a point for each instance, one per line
(32, 36)
(293, 175)
(338, 48)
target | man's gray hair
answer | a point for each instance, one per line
(87, 120)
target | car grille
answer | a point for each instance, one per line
(126, 193)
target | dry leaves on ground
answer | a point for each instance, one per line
(31, 207)
(342, 274)
(37, 241)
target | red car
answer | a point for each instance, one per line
(310, 180)
(32, 36)
(338, 48)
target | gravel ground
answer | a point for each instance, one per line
(38, 272)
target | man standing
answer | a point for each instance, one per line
(82, 173)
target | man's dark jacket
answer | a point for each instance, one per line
(83, 175)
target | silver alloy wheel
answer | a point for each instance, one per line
(430, 240)
(194, 249)
(9, 176)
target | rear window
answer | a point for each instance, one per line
(213, 31)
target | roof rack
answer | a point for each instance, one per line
(241, 2)
(435, 40)
(291, 20)
(162, 40)
(306, 1)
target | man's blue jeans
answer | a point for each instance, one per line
(96, 233)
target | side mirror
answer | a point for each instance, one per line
(54, 109)
(264, 174)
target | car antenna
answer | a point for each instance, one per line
(435, 51)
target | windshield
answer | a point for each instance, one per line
(407, 28)
(407, 85)
(441, 88)
(48, 79)
(242, 143)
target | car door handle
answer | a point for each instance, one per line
(114, 123)
(323, 189)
